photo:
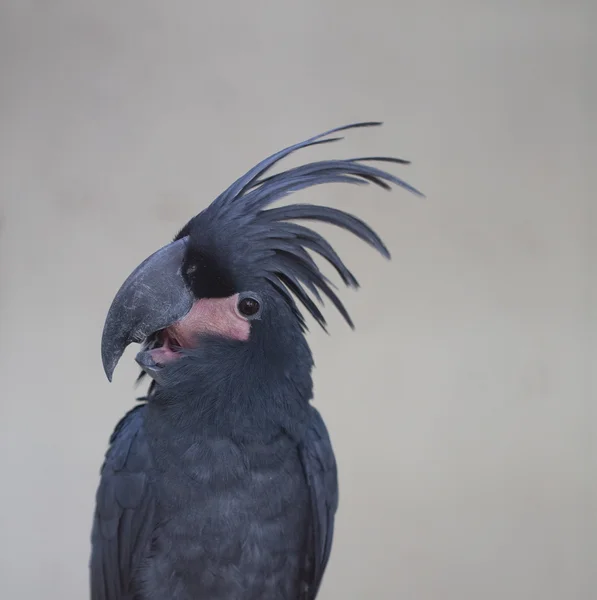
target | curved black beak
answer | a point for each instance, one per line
(153, 297)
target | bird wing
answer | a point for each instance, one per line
(319, 464)
(125, 512)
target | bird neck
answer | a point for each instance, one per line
(243, 393)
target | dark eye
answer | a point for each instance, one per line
(248, 306)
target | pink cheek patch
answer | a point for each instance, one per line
(216, 316)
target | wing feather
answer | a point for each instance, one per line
(125, 512)
(319, 464)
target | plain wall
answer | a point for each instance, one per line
(459, 408)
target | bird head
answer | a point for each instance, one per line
(233, 278)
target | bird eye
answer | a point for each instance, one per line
(248, 306)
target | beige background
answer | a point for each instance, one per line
(459, 409)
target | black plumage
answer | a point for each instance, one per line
(271, 247)
(223, 483)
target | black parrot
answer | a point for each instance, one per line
(222, 483)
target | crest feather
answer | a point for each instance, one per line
(277, 247)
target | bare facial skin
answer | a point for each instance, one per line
(215, 316)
